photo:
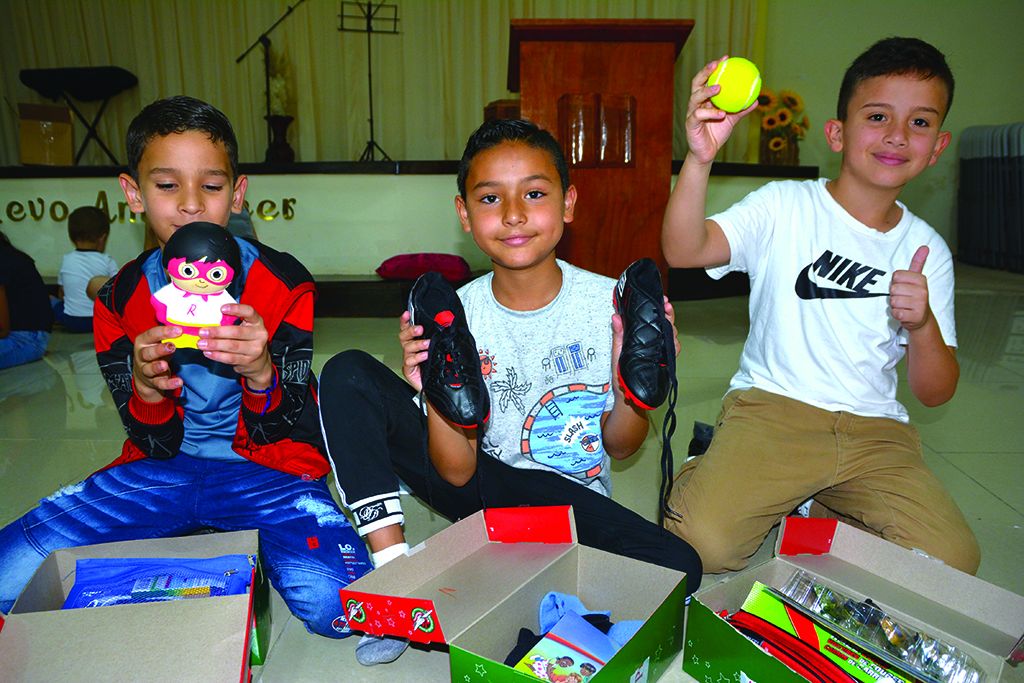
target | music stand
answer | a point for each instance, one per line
(363, 22)
(85, 84)
(264, 40)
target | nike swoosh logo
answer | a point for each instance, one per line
(806, 289)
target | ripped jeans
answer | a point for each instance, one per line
(307, 547)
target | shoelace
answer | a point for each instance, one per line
(451, 359)
(668, 428)
(425, 440)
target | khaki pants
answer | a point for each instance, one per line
(770, 453)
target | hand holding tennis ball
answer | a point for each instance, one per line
(740, 83)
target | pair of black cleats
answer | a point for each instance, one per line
(452, 379)
(647, 362)
(454, 384)
(451, 376)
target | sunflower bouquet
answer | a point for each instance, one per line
(783, 125)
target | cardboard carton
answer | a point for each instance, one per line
(45, 134)
(473, 585)
(984, 620)
(203, 639)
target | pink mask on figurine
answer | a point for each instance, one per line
(192, 276)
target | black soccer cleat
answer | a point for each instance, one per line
(647, 363)
(451, 376)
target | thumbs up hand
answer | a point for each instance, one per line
(908, 293)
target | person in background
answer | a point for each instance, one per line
(240, 224)
(84, 270)
(26, 318)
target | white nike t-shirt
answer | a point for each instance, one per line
(820, 326)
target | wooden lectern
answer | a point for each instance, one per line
(604, 88)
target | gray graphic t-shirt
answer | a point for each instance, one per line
(549, 375)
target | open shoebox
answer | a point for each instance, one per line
(918, 592)
(473, 585)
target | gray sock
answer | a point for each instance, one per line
(379, 649)
(371, 649)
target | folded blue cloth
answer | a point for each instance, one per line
(554, 605)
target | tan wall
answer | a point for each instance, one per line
(349, 224)
(342, 224)
(810, 43)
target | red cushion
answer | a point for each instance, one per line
(410, 266)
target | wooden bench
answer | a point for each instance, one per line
(360, 296)
(364, 296)
(371, 296)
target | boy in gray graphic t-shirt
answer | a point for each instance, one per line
(548, 371)
(548, 344)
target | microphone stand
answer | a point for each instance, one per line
(264, 40)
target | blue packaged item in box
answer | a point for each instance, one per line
(101, 582)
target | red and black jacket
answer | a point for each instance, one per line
(284, 435)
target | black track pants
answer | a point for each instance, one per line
(374, 435)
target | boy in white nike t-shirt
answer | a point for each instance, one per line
(845, 282)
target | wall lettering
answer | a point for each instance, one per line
(266, 210)
(32, 209)
(57, 210)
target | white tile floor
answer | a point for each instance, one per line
(57, 424)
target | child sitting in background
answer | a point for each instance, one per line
(84, 270)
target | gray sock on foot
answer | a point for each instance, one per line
(379, 649)
(372, 649)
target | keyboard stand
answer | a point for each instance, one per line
(86, 84)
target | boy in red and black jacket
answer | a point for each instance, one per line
(223, 436)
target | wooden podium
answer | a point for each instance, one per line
(604, 88)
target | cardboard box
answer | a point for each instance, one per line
(202, 639)
(476, 583)
(984, 620)
(46, 135)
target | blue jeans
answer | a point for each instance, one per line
(22, 346)
(73, 323)
(307, 547)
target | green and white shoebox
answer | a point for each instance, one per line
(986, 621)
(201, 639)
(473, 585)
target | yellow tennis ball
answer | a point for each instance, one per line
(740, 81)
